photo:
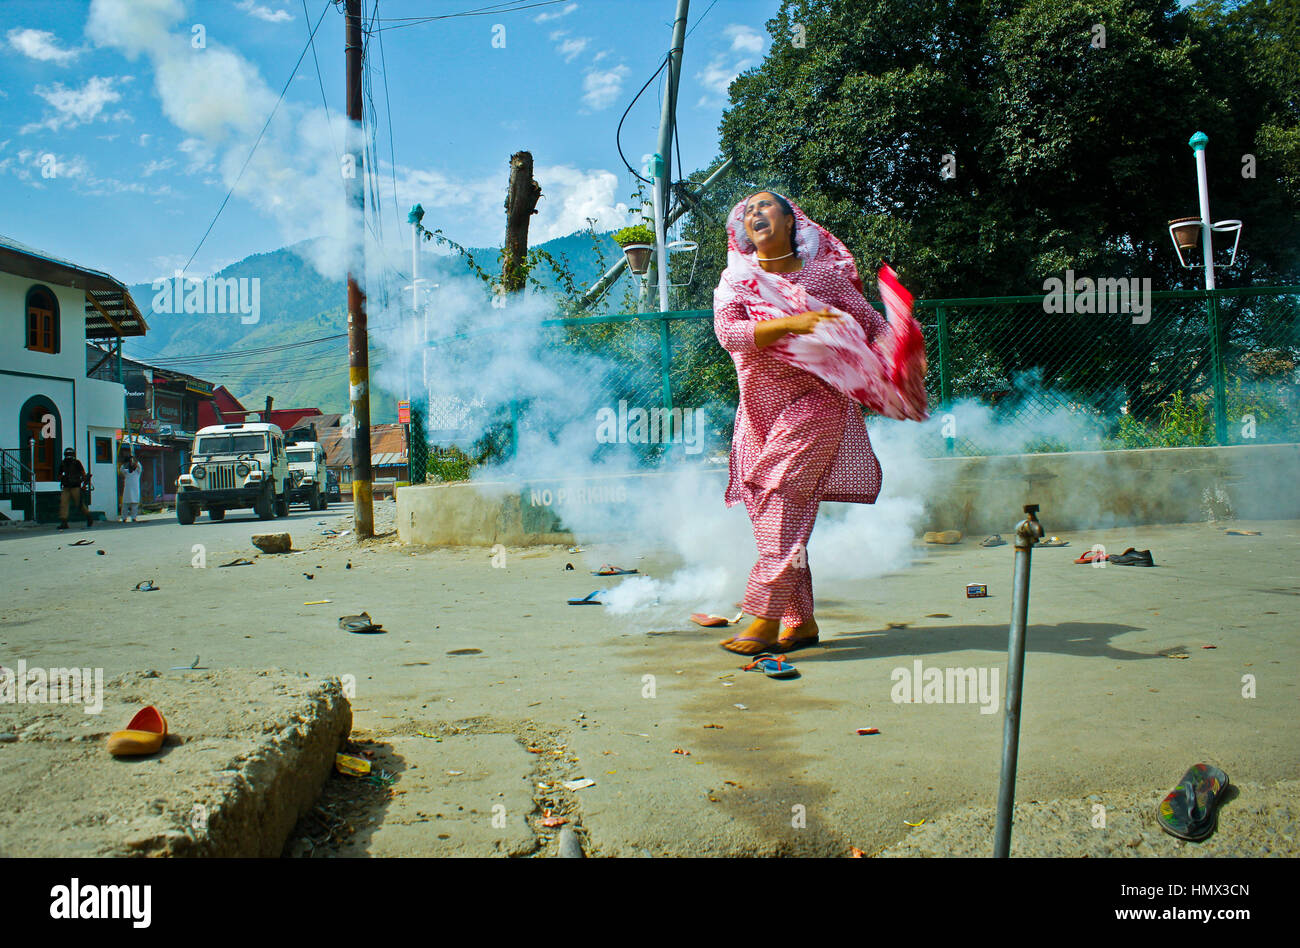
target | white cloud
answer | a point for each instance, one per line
(153, 167)
(744, 39)
(469, 209)
(602, 89)
(570, 48)
(570, 196)
(143, 140)
(41, 45)
(40, 169)
(74, 107)
(746, 45)
(546, 16)
(717, 77)
(135, 26)
(200, 156)
(255, 9)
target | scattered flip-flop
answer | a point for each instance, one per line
(608, 570)
(360, 623)
(1231, 533)
(947, 537)
(143, 735)
(994, 540)
(773, 666)
(147, 587)
(82, 542)
(238, 562)
(1132, 557)
(1053, 541)
(710, 621)
(1091, 556)
(588, 600)
(1191, 810)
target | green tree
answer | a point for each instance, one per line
(1067, 125)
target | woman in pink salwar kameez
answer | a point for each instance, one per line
(798, 440)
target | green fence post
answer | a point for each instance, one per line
(1217, 368)
(945, 382)
(417, 445)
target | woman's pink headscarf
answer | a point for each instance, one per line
(888, 377)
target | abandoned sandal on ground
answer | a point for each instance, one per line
(1132, 557)
(1191, 810)
(361, 623)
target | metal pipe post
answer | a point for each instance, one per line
(1198, 142)
(1028, 532)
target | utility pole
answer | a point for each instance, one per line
(663, 159)
(363, 513)
(613, 273)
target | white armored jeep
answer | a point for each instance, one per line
(235, 466)
(308, 473)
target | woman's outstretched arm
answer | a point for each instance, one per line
(738, 334)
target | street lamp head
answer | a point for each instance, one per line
(1198, 141)
(416, 214)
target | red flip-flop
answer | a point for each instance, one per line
(1091, 556)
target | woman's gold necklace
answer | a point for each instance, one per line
(769, 259)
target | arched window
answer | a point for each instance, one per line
(42, 320)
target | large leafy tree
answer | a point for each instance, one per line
(1067, 123)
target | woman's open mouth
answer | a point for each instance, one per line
(760, 223)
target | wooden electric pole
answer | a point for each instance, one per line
(363, 513)
(521, 204)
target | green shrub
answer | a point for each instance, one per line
(636, 234)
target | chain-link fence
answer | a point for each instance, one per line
(1006, 375)
(1092, 369)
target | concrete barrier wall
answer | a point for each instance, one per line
(1076, 490)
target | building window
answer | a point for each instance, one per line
(42, 320)
(103, 450)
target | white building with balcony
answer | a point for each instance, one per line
(51, 397)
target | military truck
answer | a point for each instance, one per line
(234, 466)
(309, 475)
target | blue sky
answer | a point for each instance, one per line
(123, 123)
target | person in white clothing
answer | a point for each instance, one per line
(131, 471)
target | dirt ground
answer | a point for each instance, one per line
(487, 691)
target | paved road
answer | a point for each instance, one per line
(1109, 712)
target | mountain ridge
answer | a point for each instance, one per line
(296, 304)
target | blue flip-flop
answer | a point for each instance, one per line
(773, 666)
(588, 600)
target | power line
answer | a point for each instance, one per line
(496, 8)
(618, 132)
(388, 111)
(293, 72)
(701, 19)
(240, 353)
(320, 81)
